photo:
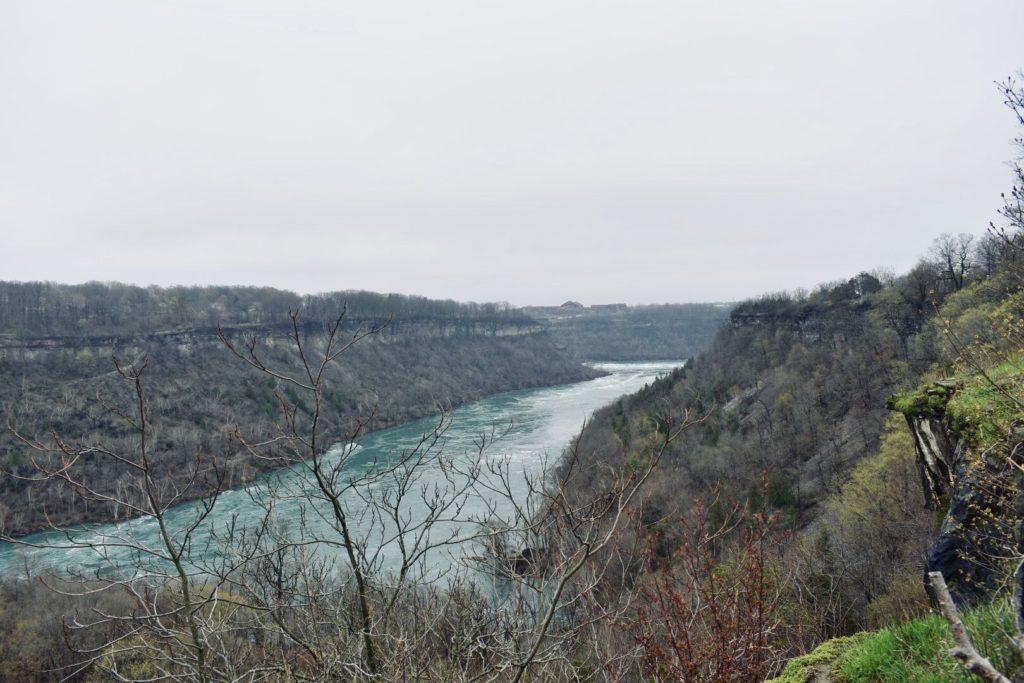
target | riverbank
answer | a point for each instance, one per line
(535, 425)
(197, 394)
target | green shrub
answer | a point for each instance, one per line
(904, 599)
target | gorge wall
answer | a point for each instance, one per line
(197, 392)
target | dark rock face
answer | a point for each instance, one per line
(937, 456)
(977, 531)
(981, 490)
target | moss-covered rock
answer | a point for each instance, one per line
(817, 665)
(927, 401)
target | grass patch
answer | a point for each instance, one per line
(918, 650)
(978, 409)
(985, 410)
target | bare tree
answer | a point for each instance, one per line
(964, 651)
(1010, 231)
(172, 613)
(955, 254)
(1013, 204)
(349, 567)
(711, 617)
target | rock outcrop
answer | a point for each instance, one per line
(976, 482)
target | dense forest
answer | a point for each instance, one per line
(111, 309)
(58, 344)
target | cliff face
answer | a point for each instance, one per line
(975, 480)
(197, 391)
(938, 451)
(937, 456)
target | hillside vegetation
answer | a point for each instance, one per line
(57, 349)
(851, 439)
(806, 400)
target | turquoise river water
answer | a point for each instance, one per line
(535, 426)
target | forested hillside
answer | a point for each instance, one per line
(58, 344)
(842, 443)
(797, 421)
(111, 309)
(793, 384)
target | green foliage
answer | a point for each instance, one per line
(85, 361)
(638, 461)
(861, 566)
(620, 425)
(338, 400)
(918, 650)
(930, 400)
(826, 655)
(877, 486)
(260, 392)
(988, 405)
(904, 598)
(296, 398)
(779, 493)
(131, 659)
(910, 652)
(980, 405)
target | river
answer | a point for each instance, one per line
(534, 425)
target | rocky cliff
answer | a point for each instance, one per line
(970, 469)
(196, 392)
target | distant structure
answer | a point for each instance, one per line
(619, 332)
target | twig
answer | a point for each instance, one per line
(964, 650)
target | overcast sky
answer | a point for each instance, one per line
(527, 151)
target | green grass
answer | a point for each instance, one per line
(985, 410)
(979, 409)
(913, 651)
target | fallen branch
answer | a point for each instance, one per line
(964, 650)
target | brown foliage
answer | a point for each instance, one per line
(712, 615)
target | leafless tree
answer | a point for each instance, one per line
(1009, 232)
(955, 254)
(351, 569)
(172, 611)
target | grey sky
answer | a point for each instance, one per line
(528, 151)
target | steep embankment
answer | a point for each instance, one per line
(794, 387)
(197, 392)
(804, 389)
(967, 421)
(916, 650)
(964, 421)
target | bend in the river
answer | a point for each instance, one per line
(542, 423)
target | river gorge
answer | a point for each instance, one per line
(526, 431)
